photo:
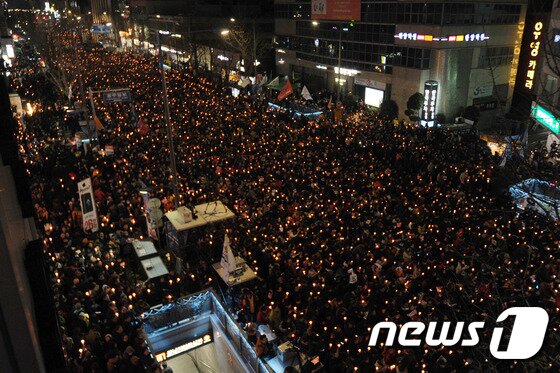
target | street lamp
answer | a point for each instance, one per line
(145, 191)
(224, 32)
(339, 85)
(172, 162)
(339, 62)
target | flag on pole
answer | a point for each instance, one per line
(142, 127)
(286, 91)
(244, 82)
(524, 142)
(274, 83)
(133, 115)
(264, 80)
(305, 94)
(97, 122)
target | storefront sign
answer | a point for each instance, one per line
(370, 83)
(483, 91)
(345, 71)
(545, 117)
(184, 348)
(485, 106)
(449, 38)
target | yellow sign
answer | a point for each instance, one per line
(535, 49)
(516, 53)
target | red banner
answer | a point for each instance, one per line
(340, 10)
(286, 91)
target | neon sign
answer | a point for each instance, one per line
(450, 38)
(535, 50)
(545, 118)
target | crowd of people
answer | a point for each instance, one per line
(346, 223)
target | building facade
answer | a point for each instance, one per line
(101, 11)
(469, 50)
(546, 88)
(198, 33)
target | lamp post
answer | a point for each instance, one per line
(172, 162)
(191, 34)
(79, 64)
(170, 143)
(339, 88)
(339, 62)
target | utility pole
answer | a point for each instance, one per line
(254, 49)
(79, 70)
(168, 125)
(339, 61)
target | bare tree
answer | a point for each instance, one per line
(61, 79)
(241, 39)
(551, 52)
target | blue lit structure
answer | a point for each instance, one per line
(194, 321)
(538, 195)
(300, 113)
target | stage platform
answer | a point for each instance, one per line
(154, 267)
(247, 275)
(207, 213)
(144, 249)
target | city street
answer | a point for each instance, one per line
(189, 218)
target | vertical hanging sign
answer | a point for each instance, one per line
(534, 50)
(516, 53)
(430, 102)
(89, 213)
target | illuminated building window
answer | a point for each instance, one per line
(495, 56)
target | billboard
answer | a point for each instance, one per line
(100, 29)
(338, 10)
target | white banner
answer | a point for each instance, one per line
(228, 259)
(89, 213)
(305, 94)
(370, 83)
(552, 138)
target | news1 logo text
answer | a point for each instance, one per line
(525, 341)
